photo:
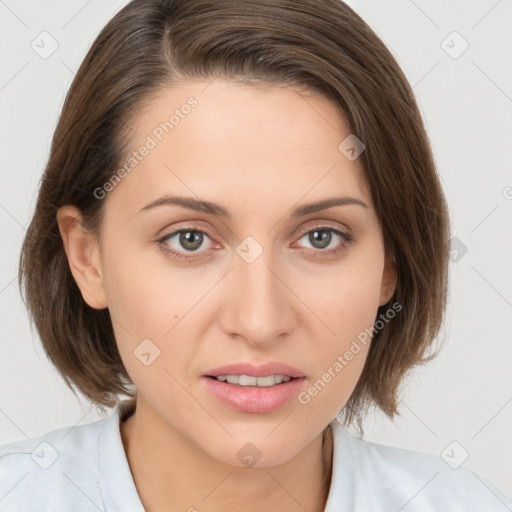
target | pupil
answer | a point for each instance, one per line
(191, 240)
(324, 239)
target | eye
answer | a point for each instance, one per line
(322, 237)
(190, 240)
(185, 240)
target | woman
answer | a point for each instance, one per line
(241, 228)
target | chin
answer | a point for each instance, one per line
(261, 452)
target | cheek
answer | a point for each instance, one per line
(136, 296)
(339, 353)
(140, 305)
(145, 294)
(346, 299)
(347, 302)
(150, 300)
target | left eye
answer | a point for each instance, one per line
(320, 238)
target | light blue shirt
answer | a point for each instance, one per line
(85, 469)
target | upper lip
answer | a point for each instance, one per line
(263, 370)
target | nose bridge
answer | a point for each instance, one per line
(259, 302)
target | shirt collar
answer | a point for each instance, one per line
(116, 480)
(118, 487)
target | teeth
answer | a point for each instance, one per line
(249, 380)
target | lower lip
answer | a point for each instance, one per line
(253, 398)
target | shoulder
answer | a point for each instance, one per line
(59, 467)
(376, 476)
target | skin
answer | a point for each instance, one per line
(259, 152)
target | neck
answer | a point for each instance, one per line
(171, 472)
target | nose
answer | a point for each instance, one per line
(259, 306)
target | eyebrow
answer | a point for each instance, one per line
(219, 211)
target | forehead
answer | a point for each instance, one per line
(244, 141)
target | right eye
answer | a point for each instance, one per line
(185, 240)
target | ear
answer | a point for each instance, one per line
(82, 250)
(389, 281)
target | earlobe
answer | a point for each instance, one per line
(82, 251)
(389, 281)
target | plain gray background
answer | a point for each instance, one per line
(460, 403)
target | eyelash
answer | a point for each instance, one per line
(347, 240)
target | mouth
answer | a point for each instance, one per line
(257, 389)
(252, 380)
(247, 372)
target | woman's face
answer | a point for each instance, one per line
(254, 280)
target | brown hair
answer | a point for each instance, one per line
(324, 46)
